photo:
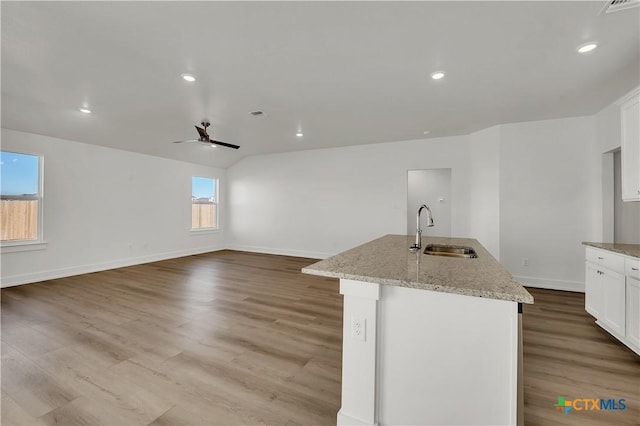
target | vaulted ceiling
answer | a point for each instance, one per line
(342, 73)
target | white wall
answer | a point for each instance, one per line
(106, 208)
(321, 202)
(433, 188)
(524, 190)
(484, 218)
(549, 199)
(608, 128)
(608, 133)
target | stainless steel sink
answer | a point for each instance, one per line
(452, 251)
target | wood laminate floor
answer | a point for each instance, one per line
(226, 338)
(566, 354)
(232, 338)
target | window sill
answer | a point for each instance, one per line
(204, 231)
(12, 247)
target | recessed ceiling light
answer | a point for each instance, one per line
(587, 47)
(299, 134)
(188, 77)
(426, 132)
(437, 75)
(85, 110)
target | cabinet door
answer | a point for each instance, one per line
(633, 311)
(594, 299)
(630, 116)
(613, 288)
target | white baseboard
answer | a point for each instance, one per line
(283, 252)
(551, 284)
(51, 274)
(347, 420)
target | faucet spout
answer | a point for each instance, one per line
(418, 245)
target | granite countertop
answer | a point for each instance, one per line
(632, 250)
(387, 261)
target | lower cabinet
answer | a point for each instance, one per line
(594, 297)
(605, 297)
(633, 311)
(612, 296)
(613, 289)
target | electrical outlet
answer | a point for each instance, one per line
(525, 261)
(359, 329)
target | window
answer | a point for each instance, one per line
(204, 203)
(21, 198)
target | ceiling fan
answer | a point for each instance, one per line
(204, 137)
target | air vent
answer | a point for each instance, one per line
(256, 113)
(618, 5)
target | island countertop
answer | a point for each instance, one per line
(387, 261)
(632, 250)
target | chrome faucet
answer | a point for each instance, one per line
(417, 246)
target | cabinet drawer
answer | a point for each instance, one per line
(606, 259)
(632, 268)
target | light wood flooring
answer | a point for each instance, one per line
(226, 338)
(567, 354)
(232, 338)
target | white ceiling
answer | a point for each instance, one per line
(344, 73)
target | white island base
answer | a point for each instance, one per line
(421, 357)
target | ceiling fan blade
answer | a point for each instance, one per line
(192, 140)
(228, 145)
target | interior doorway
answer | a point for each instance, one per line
(433, 188)
(626, 215)
(621, 220)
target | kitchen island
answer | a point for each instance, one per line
(426, 339)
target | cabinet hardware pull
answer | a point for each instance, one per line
(634, 269)
(600, 257)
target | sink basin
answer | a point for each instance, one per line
(452, 251)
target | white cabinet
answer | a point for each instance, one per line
(632, 268)
(605, 296)
(613, 289)
(630, 142)
(633, 311)
(612, 294)
(594, 298)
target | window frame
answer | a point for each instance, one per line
(10, 246)
(216, 203)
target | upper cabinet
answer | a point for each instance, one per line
(630, 141)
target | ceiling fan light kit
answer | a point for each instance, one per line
(205, 138)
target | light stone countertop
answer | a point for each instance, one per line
(387, 261)
(632, 250)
